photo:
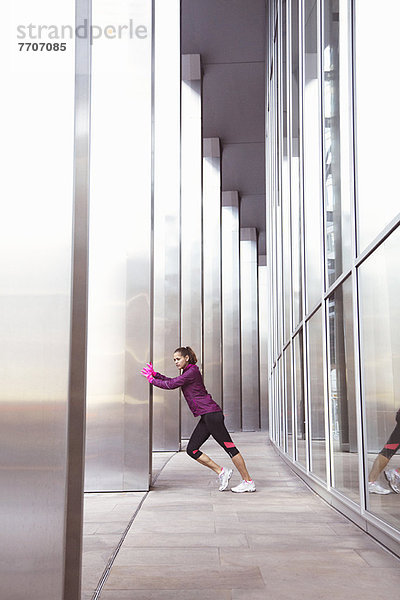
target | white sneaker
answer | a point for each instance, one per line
(223, 478)
(393, 479)
(375, 488)
(244, 486)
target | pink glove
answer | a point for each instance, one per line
(147, 373)
(150, 368)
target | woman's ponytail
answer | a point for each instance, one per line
(187, 351)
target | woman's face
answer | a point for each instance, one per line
(180, 361)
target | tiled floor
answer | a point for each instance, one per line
(106, 517)
(191, 542)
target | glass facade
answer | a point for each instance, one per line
(334, 236)
(336, 138)
(341, 386)
(379, 289)
(316, 395)
(378, 202)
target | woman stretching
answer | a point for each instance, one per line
(211, 418)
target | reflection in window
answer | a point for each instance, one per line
(380, 360)
(281, 405)
(336, 98)
(342, 392)
(377, 95)
(288, 399)
(316, 389)
(312, 155)
(297, 271)
(301, 449)
(285, 185)
(278, 220)
(272, 430)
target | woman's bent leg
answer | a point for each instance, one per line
(208, 462)
(216, 425)
(197, 439)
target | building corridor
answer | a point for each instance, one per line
(189, 541)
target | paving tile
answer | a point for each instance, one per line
(109, 517)
(180, 506)
(100, 542)
(337, 582)
(167, 578)
(200, 516)
(153, 557)
(253, 595)
(118, 527)
(301, 541)
(291, 516)
(184, 540)
(96, 558)
(173, 527)
(346, 528)
(282, 558)
(90, 528)
(379, 558)
(184, 594)
(289, 529)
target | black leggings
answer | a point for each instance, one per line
(393, 443)
(211, 424)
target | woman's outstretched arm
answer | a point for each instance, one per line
(171, 383)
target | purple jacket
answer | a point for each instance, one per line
(199, 400)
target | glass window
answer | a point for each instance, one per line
(272, 403)
(279, 286)
(278, 212)
(316, 391)
(337, 127)
(285, 184)
(377, 125)
(312, 155)
(281, 404)
(297, 271)
(342, 392)
(301, 450)
(276, 407)
(288, 399)
(379, 285)
(275, 208)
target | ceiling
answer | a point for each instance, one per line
(230, 37)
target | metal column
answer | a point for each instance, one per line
(231, 347)
(43, 304)
(120, 311)
(212, 358)
(249, 329)
(263, 338)
(191, 218)
(166, 314)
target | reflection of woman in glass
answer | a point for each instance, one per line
(392, 475)
(211, 418)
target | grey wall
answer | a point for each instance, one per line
(231, 354)
(120, 273)
(166, 266)
(191, 220)
(43, 319)
(230, 36)
(212, 293)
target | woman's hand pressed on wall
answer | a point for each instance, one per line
(148, 373)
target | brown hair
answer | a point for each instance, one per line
(187, 351)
